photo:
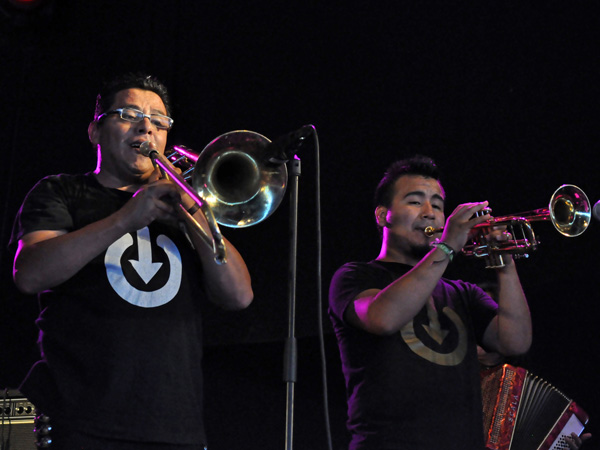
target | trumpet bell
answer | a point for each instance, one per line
(570, 210)
(233, 176)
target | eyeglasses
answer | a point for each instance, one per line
(133, 115)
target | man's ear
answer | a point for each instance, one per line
(381, 216)
(93, 132)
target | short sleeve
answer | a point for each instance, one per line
(44, 208)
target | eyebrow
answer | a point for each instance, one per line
(137, 107)
(422, 195)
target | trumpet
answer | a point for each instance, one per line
(569, 211)
(231, 182)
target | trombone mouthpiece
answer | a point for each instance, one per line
(146, 148)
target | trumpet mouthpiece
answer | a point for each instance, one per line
(430, 231)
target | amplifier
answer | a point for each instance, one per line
(17, 416)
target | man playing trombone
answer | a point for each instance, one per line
(120, 286)
(408, 337)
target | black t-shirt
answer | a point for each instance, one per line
(418, 388)
(121, 340)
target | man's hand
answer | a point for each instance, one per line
(154, 201)
(460, 223)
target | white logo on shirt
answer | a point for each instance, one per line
(145, 268)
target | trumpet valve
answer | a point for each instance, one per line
(483, 212)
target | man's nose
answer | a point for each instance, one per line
(145, 126)
(427, 210)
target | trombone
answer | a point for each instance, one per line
(569, 211)
(231, 182)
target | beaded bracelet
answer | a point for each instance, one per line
(449, 251)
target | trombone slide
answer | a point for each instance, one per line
(217, 243)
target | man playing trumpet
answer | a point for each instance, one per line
(408, 337)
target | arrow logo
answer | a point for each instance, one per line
(434, 329)
(453, 358)
(145, 268)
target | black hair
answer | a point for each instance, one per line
(107, 94)
(415, 165)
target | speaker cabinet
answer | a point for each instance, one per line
(16, 421)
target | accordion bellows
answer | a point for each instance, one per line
(524, 412)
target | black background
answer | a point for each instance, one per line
(504, 95)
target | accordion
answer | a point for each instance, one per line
(524, 412)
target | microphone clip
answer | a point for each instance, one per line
(282, 149)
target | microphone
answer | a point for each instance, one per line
(596, 210)
(283, 148)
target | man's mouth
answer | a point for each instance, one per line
(136, 146)
(422, 229)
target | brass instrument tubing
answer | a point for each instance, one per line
(217, 241)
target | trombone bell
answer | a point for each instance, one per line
(234, 177)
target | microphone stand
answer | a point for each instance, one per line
(290, 351)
